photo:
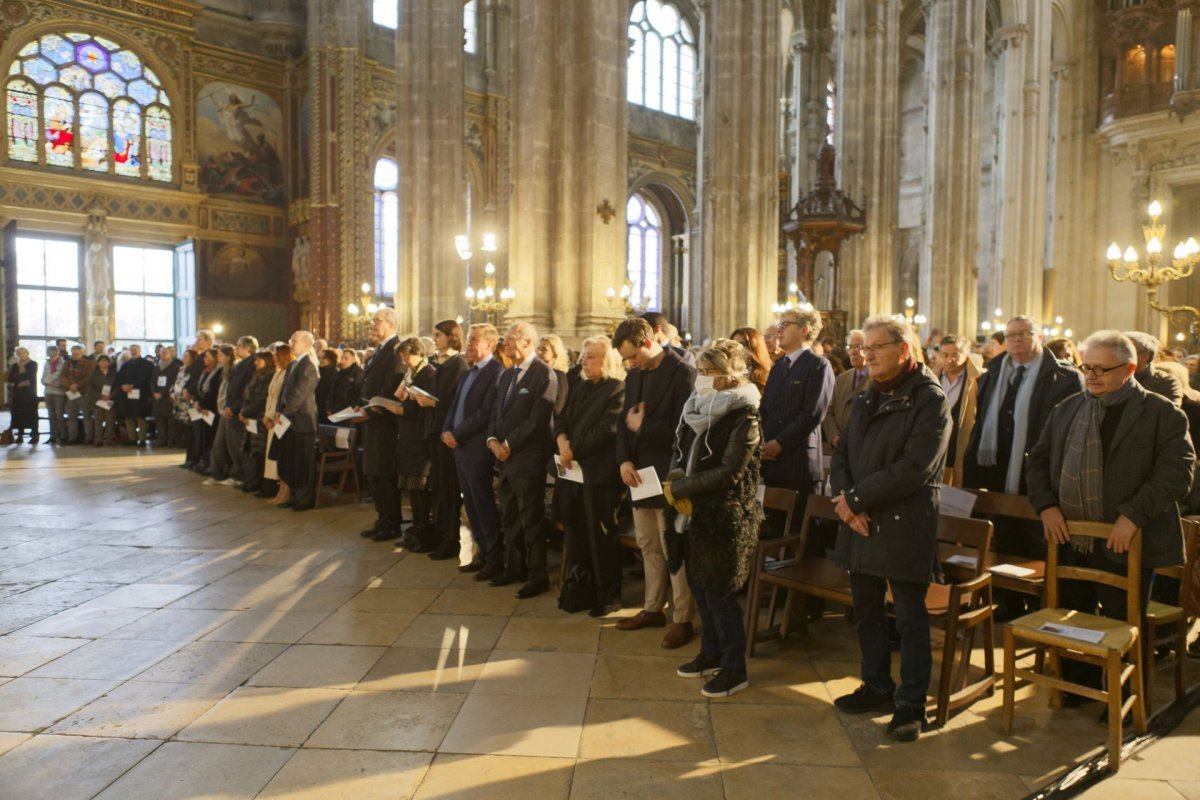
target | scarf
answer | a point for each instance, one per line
(1081, 482)
(893, 383)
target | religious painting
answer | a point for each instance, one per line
(238, 134)
(241, 272)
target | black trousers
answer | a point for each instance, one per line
(475, 480)
(522, 507)
(386, 495)
(581, 530)
(447, 496)
(304, 469)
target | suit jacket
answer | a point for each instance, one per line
(1147, 471)
(239, 378)
(379, 378)
(792, 408)
(164, 406)
(590, 421)
(471, 433)
(838, 413)
(964, 423)
(1160, 381)
(298, 397)
(522, 416)
(653, 444)
(449, 376)
(1056, 381)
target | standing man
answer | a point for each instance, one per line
(165, 372)
(520, 437)
(227, 464)
(847, 386)
(134, 399)
(663, 330)
(380, 379)
(656, 390)
(885, 476)
(465, 432)
(298, 402)
(75, 377)
(1150, 375)
(959, 378)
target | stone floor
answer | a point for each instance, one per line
(165, 640)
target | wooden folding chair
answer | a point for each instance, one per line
(774, 499)
(1160, 615)
(333, 460)
(1118, 652)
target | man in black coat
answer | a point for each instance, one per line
(298, 403)
(226, 463)
(134, 380)
(885, 475)
(165, 373)
(655, 393)
(465, 432)
(380, 379)
(519, 436)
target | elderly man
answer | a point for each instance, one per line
(1115, 453)
(846, 387)
(226, 463)
(380, 430)
(959, 378)
(1150, 375)
(298, 402)
(521, 439)
(885, 475)
(75, 376)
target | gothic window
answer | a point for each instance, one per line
(387, 226)
(386, 13)
(470, 30)
(644, 252)
(662, 62)
(84, 102)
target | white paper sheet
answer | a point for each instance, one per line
(135, 394)
(106, 391)
(1073, 632)
(344, 414)
(650, 486)
(282, 426)
(417, 392)
(73, 395)
(380, 401)
(761, 492)
(962, 560)
(574, 474)
(252, 426)
(1011, 570)
(105, 404)
(194, 414)
(341, 439)
(209, 417)
(956, 502)
(162, 381)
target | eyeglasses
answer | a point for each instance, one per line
(854, 347)
(1019, 335)
(875, 348)
(783, 323)
(1098, 371)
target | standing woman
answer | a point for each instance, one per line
(346, 383)
(22, 374)
(272, 486)
(414, 430)
(183, 426)
(55, 394)
(713, 489)
(586, 433)
(100, 387)
(553, 353)
(758, 359)
(254, 406)
(207, 388)
(165, 373)
(443, 478)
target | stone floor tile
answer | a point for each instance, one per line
(10, 740)
(391, 601)
(424, 669)
(283, 627)
(142, 710)
(445, 631)
(319, 666)
(348, 775)
(265, 716)
(1121, 788)
(113, 659)
(644, 678)
(388, 721)
(657, 730)
(20, 654)
(518, 726)
(191, 770)
(221, 664)
(536, 674)
(1189, 789)
(767, 779)
(604, 779)
(33, 704)
(804, 734)
(914, 784)
(489, 777)
(85, 623)
(359, 627)
(172, 624)
(68, 767)
(495, 603)
(572, 635)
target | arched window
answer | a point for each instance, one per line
(387, 226)
(644, 252)
(84, 102)
(830, 111)
(386, 13)
(470, 29)
(662, 63)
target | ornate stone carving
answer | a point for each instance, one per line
(98, 271)
(241, 223)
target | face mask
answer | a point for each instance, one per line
(704, 385)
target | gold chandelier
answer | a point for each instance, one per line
(1151, 269)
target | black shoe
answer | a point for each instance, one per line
(474, 566)
(725, 683)
(186, 465)
(251, 488)
(700, 667)
(303, 507)
(533, 589)
(502, 579)
(863, 700)
(488, 573)
(412, 544)
(368, 533)
(289, 503)
(383, 536)
(907, 724)
(444, 552)
(265, 494)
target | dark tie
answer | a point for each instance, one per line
(1007, 423)
(512, 387)
(460, 408)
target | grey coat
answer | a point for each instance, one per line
(889, 464)
(1147, 471)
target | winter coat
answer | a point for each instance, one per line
(344, 392)
(722, 533)
(889, 464)
(590, 421)
(138, 373)
(415, 428)
(164, 382)
(23, 402)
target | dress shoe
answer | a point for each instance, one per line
(643, 619)
(384, 536)
(411, 543)
(444, 552)
(302, 507)
(503, 579)
(533, 588)
(368, 533)
(289, 503)
(678, 634)
(474, 566)
(251, 488)
(489, 572)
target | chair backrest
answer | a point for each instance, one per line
(999, 504)
(967, 532)
(817, 506)
(1099, 533)
(1189, 586)
(785, 500)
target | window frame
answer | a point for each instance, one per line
(684, 39)
(147, 344)
(24, 339)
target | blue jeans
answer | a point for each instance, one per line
(724, 633)
(912, 620)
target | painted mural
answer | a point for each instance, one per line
(238, 136)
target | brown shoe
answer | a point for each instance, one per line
(679, 634)
(643, 619)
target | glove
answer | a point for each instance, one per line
(676, 550)
(683, 506)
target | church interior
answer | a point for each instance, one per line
(260, 167)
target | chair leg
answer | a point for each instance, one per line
(1010, 657)
(562, 568)
(964, 664)
(1135, 683)
(320, 481)
(1056, 694)
(949, 648)
(786, 623)
(989, 644)
(1151, 663)
(753, 609)
(1113, 678)
(1180, 660)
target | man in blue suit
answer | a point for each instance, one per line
(799, 390)
(465, 432)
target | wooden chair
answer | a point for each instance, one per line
(997, 504)
(1160, 615)
(1119, 652)
(785, 501)
(333, 460)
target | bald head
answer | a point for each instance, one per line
(301, 343)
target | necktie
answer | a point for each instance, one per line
(1007, 425)
(460, 408)
(512, 387)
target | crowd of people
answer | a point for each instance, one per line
(634, 425)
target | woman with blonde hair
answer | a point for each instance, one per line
(554, 354)
(271, 481)
(759, 359)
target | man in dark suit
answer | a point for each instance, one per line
(519, 436)
(465, 432)
(298, 403)
(661, 326)
(380, 378)
(655, 392)
(226, 464)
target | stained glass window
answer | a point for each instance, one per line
(644, 253)
(92, 104)
(662, 61)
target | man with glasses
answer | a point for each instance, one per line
(1149, 374)
(380, 379)
(846, 387)
(959, 378)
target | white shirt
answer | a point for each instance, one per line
(795, 354)
(953, 389)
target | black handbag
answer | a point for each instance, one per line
(578, 590)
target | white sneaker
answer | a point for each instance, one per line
(209, 482)
(226, 482)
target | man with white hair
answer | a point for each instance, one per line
(298, 402)
(1150, 375)
(380, 429)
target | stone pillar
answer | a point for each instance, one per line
(811, 71)
(954, 51)
(569, 135)
(868, 146)
(739, 195)
(429, 136)
(1023, 163)
(340, 219)
(97, 267)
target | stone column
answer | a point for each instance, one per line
(339, 253)
(811, 71)
(954, 51)
(1023, 162)
(868, 146)
(97, 266)
(429, 136)
(569, 134)
(739, 194)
